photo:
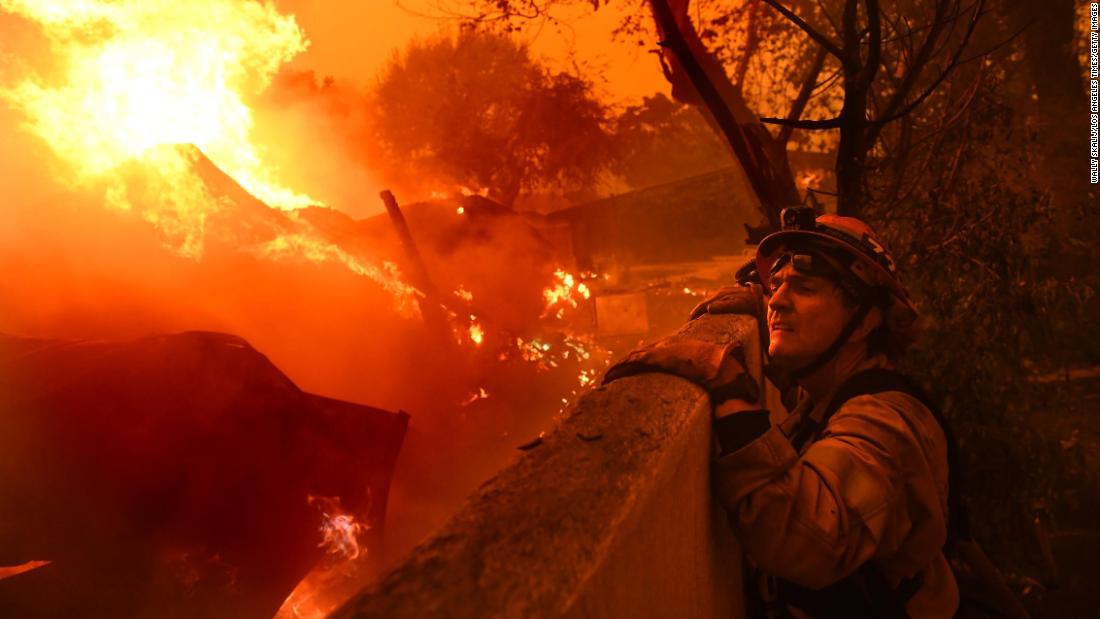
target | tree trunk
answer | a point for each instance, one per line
(851, 155)
(1060, 111)
(698, 78)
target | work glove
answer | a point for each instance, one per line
(717, 368)
(747, 300)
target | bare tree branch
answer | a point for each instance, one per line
(751, 44)
(874, 52)
(803, 97)
(850, 35)
(829, 123)
(879, 123)
(819, 38)
(917, 63)
(828, 17)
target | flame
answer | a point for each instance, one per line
(536, 351)
(340, 531)
(808, 178)
(387, 276)
(587, 377)
(474, 397)
(561, 294)
(314, 596)
(578, 347)
(477, 334)
(135, 75)
(15, 570)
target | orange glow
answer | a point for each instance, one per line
(139, 80)
(340, 531)
(474, 397)
(138, 95)
(561, 294)
(388, 276)
(158, 73)
(15, 570)
(477, 334)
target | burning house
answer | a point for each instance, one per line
(199, 363)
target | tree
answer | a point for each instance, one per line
(886, 58)
(660, 140)
(951, 126)
(475, 110)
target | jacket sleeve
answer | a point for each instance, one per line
(815, 519)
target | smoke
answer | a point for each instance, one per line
(74, 268)
(313, 130)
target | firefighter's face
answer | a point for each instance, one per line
(806, 313)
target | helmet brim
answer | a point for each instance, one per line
(768, 251)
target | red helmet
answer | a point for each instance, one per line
(868, 260)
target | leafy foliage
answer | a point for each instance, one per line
(661, 140)
(975, 239)
(475, 110)
(956, 185)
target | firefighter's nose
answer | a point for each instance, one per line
(779, 301)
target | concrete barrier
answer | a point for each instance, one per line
(610, 515)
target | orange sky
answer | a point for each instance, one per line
(351, 41)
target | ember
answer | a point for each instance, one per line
(477, 334)
(474, 397)
(560, 294)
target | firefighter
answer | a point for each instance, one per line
(842, 507)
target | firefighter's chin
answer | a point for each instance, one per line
(785, 350)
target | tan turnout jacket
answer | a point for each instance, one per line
(872, 488)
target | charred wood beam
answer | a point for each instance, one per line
(431, 306)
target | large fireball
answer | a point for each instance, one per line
(133, 75)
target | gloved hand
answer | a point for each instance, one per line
(717, 368)
(747, 300)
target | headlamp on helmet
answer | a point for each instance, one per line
(798, 218)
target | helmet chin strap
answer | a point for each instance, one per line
(834, 348)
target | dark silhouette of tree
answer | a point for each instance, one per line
(877, 61)
(661, 140)
(1053, 103)
(475, 110)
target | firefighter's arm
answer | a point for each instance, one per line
(813, 520)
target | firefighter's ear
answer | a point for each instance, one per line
(872, 321)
